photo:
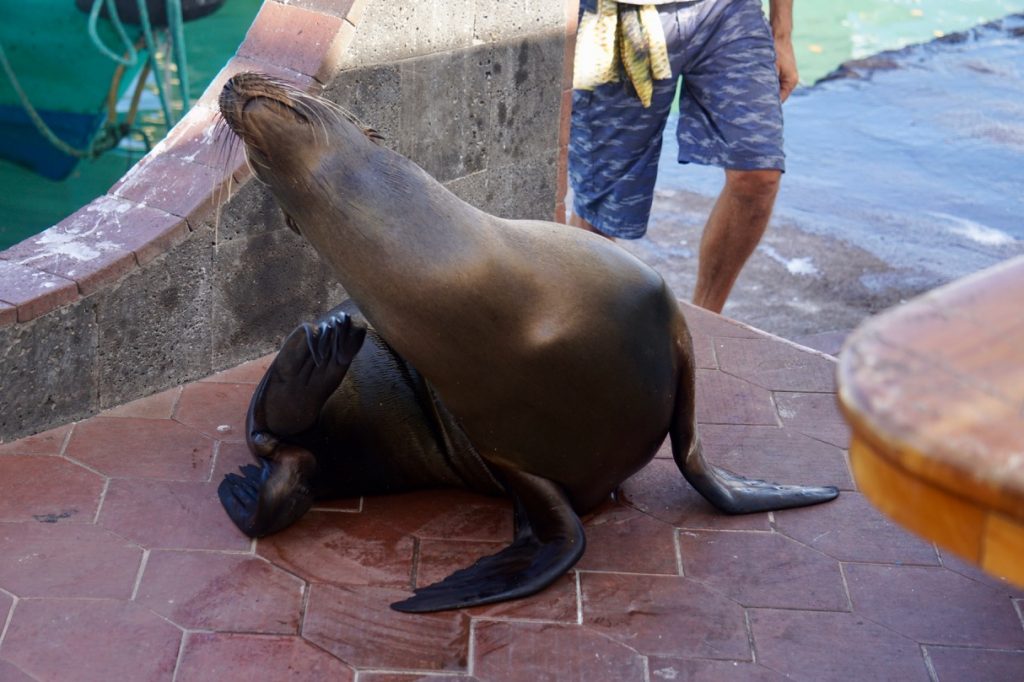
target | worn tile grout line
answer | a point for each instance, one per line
(679, 552)
(749, 627)
(846, 585)
(929, 666)
(185, 635)
(645, 666)
(67, 439)
(579, 598)
(214, 458)
(139, 572)
(1019, 608)
(10, 615)
(103, 498)
(471, 648)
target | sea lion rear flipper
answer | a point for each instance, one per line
(307, 370)
(729, 492)
(549, 541)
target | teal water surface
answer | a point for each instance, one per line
(30, 203)
(826, 33)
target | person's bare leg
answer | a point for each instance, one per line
(733, 230)
(584, 224)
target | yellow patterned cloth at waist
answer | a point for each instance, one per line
(623, 35)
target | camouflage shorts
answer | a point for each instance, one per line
(729, 113)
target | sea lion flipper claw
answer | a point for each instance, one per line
(549, 541)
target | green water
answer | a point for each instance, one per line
(826, 33)
(29, 203)
(829, 32)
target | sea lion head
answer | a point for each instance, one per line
(290, 138)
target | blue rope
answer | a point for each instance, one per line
(94, 14)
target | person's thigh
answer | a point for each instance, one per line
(730, 114)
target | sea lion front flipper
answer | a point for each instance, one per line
(269, 498)
(729, 492)
(549, 540)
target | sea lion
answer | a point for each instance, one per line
(499, 355)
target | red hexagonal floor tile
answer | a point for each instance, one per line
(157, 406)
(815, 646)
(46, 443)
(215, 657)
(850, 529)
(444, 514)
(215, 409)
(357, 625)
(697, 670)
(662, 615)
(660, 491)
(725, 399)
(935, 606)
(48, 489)
(66, 560)
(250, 372)
(814, 414)
(776, 454)
(224, 592)
(170, 515)
(90, 639)
(536, 652)
(952, 664)
(143, 448)
(12, 673)
(621, 538)
(776, 366)
(763, 569)
(338, 547)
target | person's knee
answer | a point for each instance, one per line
(754, 185)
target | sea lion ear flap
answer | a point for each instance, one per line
(292, 225)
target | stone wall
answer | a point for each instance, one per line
(166, 278)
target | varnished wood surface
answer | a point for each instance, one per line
(934, 394)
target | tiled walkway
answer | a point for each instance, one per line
(117, 562)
